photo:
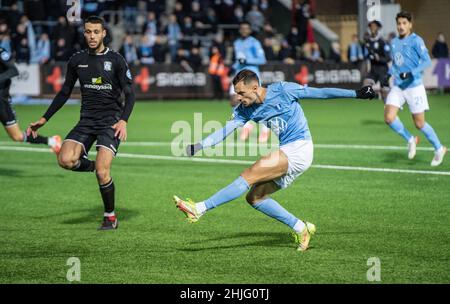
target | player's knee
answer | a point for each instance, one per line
(102, 174)
(419, 124)
(66, 161)
(254, 198)
(388, 119)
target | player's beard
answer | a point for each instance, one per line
(100, 46)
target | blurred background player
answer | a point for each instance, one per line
(377, 52)
(103, 75)
(8, 118)
(248, 54)
(410, 57)
(278, 106)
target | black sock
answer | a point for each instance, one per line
(107, 192)
(38, 140)
(84, 165)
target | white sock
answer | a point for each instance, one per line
(51, 141)
(201, 207)
(299, 226)
(109, 214)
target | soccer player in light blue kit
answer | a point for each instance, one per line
(278, 107)
(249, 55)
(410, 57)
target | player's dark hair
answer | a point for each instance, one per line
(245, 75)
(404, 14)
(95, 20)
(245, 23)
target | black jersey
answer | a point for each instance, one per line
(102, 78)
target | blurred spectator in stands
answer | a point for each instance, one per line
(265, 8)
(196, 12)
(195, 59)
(440, 47)
(226, 11)
(64, 30)
(312, 52)
(218, 42)
(200, 28)
(267, 32)
(151, 24)
(61, 52)
(335, 53)
(293, 38)
(218, 71)
(129, 51)
(160, 49)
(286, 53)
(268, 49)
(179, 13)
(13, 16)
(130, 13)
(90, 7)
(255, 18)
(355, 52)
(187, 27)
(5, 39)
(174, 34)
(145, 50)
(211, 19)
(302, 14)
(182, 59)
(41, 53)
(23, 51)
(238, 14)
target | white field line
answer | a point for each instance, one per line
(238, 162)
(320, 146)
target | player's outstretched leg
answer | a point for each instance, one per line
(258, 198)
(106, 186)
(430, 134)
(392, 120)
(267, 168)
(54, 142)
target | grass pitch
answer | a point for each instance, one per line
(401, 217)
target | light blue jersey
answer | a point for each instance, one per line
(251, 50)
(280, 111)
(409, 55)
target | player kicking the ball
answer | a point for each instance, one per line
(410, 57)
(277, 107)
(103, 75)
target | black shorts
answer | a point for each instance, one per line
(7, 113)
(87, 136)
(377, 73)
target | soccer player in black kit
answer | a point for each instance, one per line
(8, 117)
(103, 75)
(378, 52)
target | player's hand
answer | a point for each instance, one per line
(121, 130)
(366, 92)
(192, 149)
(34, 126)
(404, 76)
(242, 60)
